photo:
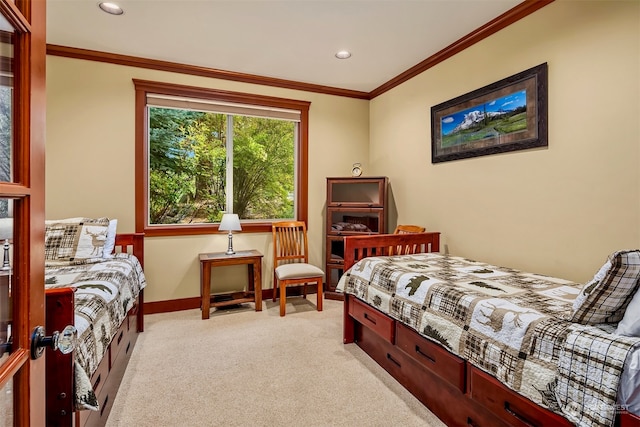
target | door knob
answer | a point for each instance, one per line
(64, 341)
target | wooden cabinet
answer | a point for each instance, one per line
(355, 206)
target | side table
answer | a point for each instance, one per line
(252, 258)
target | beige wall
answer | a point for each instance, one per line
(558, 211)
(90, 164)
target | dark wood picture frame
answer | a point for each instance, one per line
(508, 115)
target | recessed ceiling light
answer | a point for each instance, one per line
(111, 8)
(343, 54)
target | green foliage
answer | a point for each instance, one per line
(263, 168)
(188, 159)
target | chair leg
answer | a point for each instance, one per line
(283, 298)
(275, 287)
(319, 295)
(304, 290)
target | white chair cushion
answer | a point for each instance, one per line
(297, 271)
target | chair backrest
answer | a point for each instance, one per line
(289, 242)
(409, 229)
(404, 229)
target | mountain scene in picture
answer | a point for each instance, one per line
(491, 119)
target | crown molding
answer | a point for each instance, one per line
(174, 67)
(518, 12)
(509, 17)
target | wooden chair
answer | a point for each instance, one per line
(409, 229)
(291, 261)
(404, 229)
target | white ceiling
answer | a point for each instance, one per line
(293, 39)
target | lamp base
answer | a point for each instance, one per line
(230, 250)
(6, 265)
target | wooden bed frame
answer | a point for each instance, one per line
(454, 390)
(106, 380)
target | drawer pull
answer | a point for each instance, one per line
(104, 405)
(370, 319)
(120, 337)
(425, 355)
(510, 411)
(470, 422)
(95, 385)
(391, 359)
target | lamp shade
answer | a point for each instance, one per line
(230, 222)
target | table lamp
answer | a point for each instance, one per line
(230, 223)
(6, 233)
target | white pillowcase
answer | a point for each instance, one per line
(110, 242)
(630, 323)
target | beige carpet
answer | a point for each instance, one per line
(247, 368)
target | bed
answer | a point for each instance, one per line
(484, 345)
(101, 294)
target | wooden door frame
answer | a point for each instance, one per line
(29, 18)
(36, 14)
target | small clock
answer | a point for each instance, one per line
(356, 170)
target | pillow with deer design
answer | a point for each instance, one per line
(75, 239)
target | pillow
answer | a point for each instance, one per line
(110, 242)
(630, 323)
(75, 238)
(348, 226)
(605, 298)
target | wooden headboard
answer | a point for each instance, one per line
(358, 247)
(132, 243)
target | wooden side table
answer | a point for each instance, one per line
(252, 258)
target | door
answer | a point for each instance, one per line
(22, 126)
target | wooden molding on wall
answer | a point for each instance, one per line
(174, 67)
(518, 12)
(509, 17)
(194, 302)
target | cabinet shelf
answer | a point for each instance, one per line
(355, 207)
(235, 298)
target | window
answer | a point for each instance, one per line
(202, 152)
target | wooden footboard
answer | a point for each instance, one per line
(454, 390)
(359, 247)
(60, 367)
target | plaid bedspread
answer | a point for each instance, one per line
(508, 323)
(105, 292)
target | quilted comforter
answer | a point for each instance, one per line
(508, 323)
(105, 292)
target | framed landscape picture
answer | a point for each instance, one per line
(508, 115)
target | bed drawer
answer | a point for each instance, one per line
(119, 340)
(100, 376)
(373, 319)
(133, 323)
(432, 356)
(514, 409)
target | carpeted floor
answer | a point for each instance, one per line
(247, 368)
